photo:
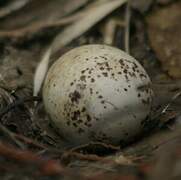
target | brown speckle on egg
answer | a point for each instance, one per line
(92, 80)
(75, 96)
(105, 74)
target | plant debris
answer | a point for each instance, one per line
(33, 34)
(164, 28)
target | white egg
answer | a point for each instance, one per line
(97, 93)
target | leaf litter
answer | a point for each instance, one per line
(28, 140)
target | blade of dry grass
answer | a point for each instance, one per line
(92, 16)
(127, 27)
(13, 6)
(40, 72)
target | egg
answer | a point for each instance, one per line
(97, 93)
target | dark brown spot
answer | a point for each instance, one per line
(125, 71)
(106, 63)
(121, 62)
(88, 117)
(135, 65)
(127, 67)
(91, 90)
(125, 89)
(83, 109)
(71, 83)
(102, 57)
(126, 77)
(83, 71)
(92, 80)
(75, 96)
(132, 74)
(105, 74)
(81, 86)
(97, 119)
(76, 115)
(145, 101)
(75, 124)
(143, 75)
(108, 68)
(79, 121)
(83, 78)
(100, 97)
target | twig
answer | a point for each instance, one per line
(102, 145)
(170, 103)
(11, 136)
(45, 167)
(29, 141)
(80, 156)
(177, 137)
(164, 109)
(127, 27)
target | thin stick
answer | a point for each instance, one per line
(127, 28)
(11, 136)
(177, 95)
(165, 108)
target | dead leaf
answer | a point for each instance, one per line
(164, 30)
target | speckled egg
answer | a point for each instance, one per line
(97, 93)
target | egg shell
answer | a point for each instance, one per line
(97, 93)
